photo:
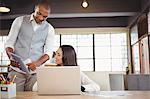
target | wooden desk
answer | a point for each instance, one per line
(132, 95)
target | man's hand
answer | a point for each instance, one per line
(33, 65)
(9, 50)
(14, 63)
(39, 62)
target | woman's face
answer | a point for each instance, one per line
(58, 57)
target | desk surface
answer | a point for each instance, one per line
(129, 95)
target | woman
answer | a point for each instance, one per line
(66, 56)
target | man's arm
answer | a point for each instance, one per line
(13, 33)
(49, 42)
(39, 62)
(42, 60)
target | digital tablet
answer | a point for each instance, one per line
(23, 66)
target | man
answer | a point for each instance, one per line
(32, 38)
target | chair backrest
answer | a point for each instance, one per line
(116, 81)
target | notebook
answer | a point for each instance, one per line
(58, 80)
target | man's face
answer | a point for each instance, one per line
(41, 14)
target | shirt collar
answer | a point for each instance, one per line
(31, 17)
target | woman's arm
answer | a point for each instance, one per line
(88, 84)
(34, 87)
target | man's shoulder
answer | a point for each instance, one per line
(18, 19)
(49, 25)
(21, 17)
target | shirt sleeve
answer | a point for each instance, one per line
(49, 44)
(88, 84)
(13, 33)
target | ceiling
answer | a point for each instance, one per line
(70, 14)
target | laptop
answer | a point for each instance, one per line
(58, 80)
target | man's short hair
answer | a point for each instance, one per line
(44, 3)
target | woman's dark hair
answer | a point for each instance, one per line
(53, 54)
(69, 55)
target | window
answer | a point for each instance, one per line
(3, 56)
(136, 60)
(56, 42)
(83, 45)
(110, 52)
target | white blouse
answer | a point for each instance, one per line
(86, 82)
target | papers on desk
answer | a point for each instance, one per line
(23, 67)
(107, 93)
